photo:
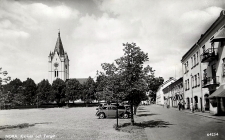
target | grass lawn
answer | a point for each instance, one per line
(61, 123)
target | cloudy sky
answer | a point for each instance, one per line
(92, 32)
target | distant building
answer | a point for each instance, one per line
(173, 93)
(204, 70)
(58, 62)
(159, 93)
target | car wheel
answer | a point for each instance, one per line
(125, 116)
(101, 116)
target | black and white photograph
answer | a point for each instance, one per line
(112, 69)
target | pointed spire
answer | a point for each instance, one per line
(59, 46)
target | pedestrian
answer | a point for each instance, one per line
(179, 105)
(183, 104)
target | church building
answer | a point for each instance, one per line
(58, 62)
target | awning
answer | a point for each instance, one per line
(220, 92)
(220, 37)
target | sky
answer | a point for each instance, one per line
(93, 31)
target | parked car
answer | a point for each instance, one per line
(127, 107)
(111, 111)
(101, 105)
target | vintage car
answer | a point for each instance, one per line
(101, 105)
(108, 111)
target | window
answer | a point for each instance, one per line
(194, 60)
(185, 85)
(187, 65)
(204, 74)
(198, 80)
(197, 56)
(195, 80)
(188, 83)
(192, 79)
(203, 48)
(223, 67)
(56, 73)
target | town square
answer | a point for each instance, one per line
(112, 69)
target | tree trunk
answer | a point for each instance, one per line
(132, 114)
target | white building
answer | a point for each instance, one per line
(58, 62)
(160, 94)
(203, 70)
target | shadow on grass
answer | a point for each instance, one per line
(145, 124)
(20, 126)
(144, 115)
(127, 127)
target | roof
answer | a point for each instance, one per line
(81, 80)
(220, 92)
(59, 46)
(172, 85)
(170, 79)
(203, 36)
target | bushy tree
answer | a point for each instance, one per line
(73, 90)
(43, 92)
(29, 92)
(58, 91)
(11, 93)
(89, 90)
(127, 78)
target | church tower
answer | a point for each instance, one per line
(58, 62)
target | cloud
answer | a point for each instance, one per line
(167, 29)
(163, 29)
(58, 12)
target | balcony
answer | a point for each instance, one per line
(210, 81)
(209, 55)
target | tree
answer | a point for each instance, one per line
(43, 92)
(11, 93)
(58, 91)
(89, 90)
(73, 90)
(29, 91)
(127, 78)
(153, 85)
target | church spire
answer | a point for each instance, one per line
(59, 46)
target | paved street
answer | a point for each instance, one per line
(181, 125)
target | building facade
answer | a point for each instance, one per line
(203, 69)
(58, 62)
(173, 93)
(160, 94)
